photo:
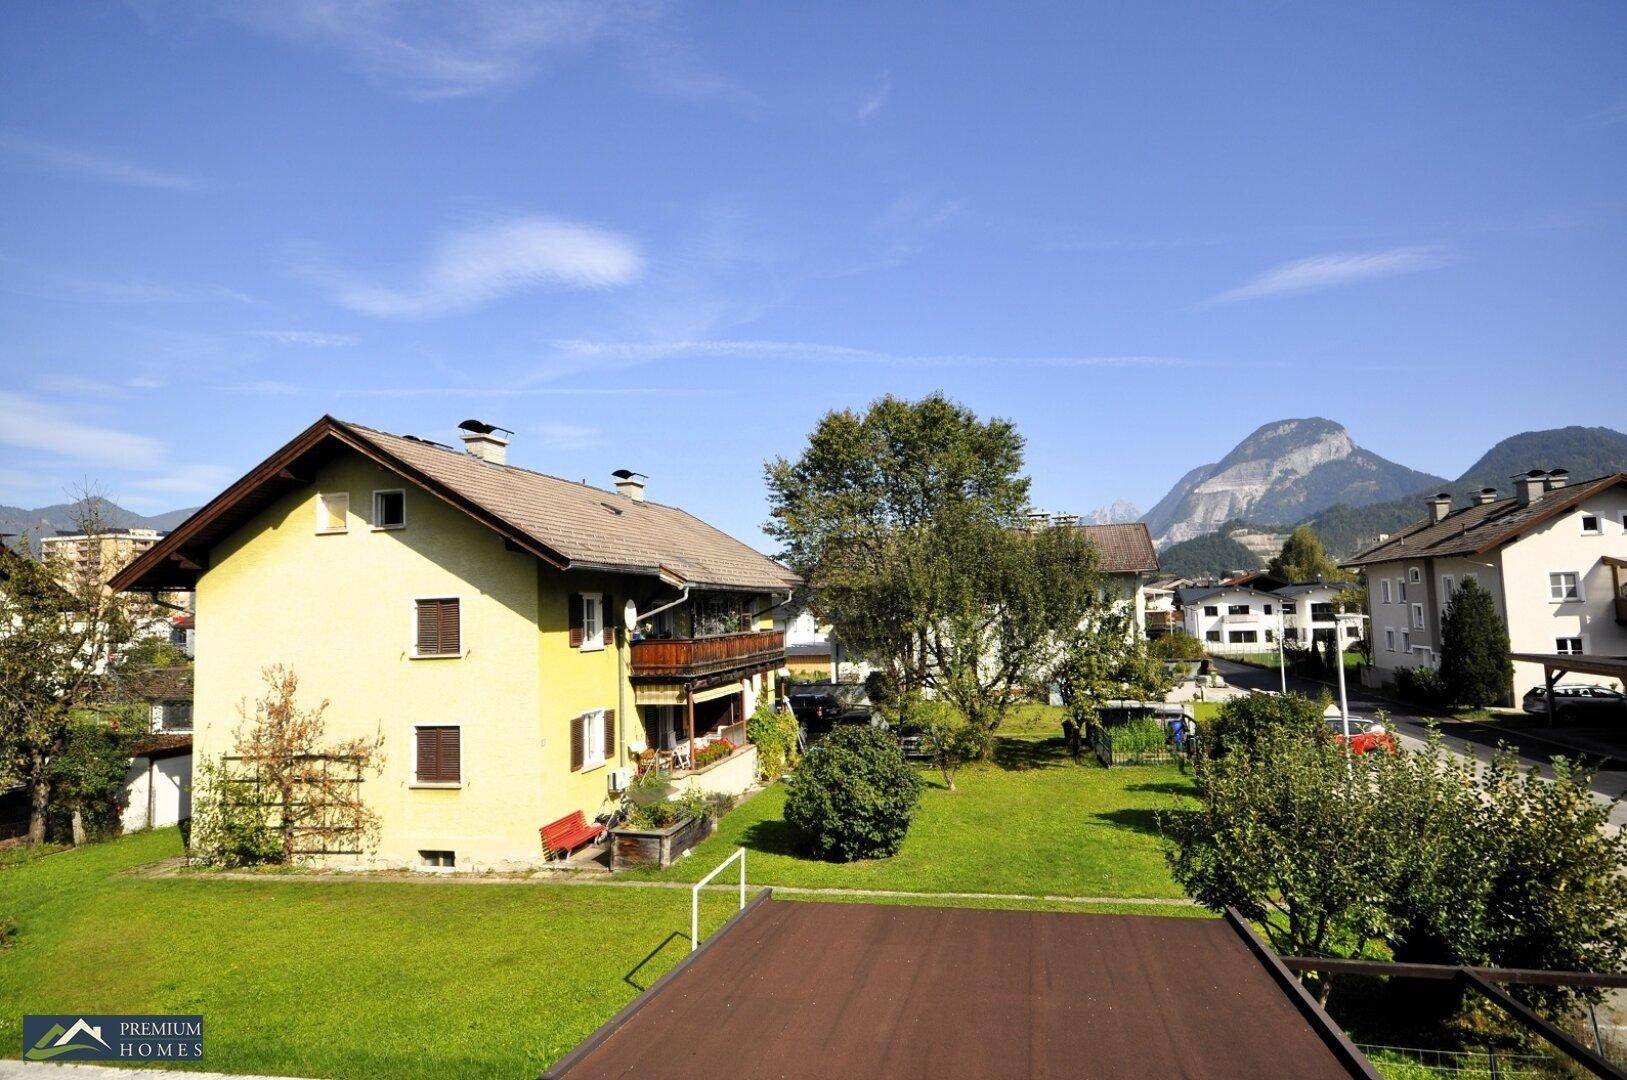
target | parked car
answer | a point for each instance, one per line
(819, 707)
(1363, 737)
(1577, 701)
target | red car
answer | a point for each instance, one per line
(1363, 736)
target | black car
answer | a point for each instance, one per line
(819, 707)
(1577, 701)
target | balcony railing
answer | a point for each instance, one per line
(692, 657)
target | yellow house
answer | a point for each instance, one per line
(516, 638)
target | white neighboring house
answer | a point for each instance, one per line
(1552, 557)
(1308, 612)
(1125, 555)
(1233, 617)
(158, 785)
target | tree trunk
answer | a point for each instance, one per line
(39, 797)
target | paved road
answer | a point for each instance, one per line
(1466, 739)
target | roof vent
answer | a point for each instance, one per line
(1485, 495)
(1440, 506)
(483, 441)
(630, 483)
(1530, 486)
(1557, 478)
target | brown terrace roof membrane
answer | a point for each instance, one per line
(818, 990)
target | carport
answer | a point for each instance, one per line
(793, 990)
(1556, 666)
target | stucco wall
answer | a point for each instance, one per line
(338, 610)
(157, 793)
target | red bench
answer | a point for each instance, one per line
(567, 834)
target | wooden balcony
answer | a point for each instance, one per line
(689, 658)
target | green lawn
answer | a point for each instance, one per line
(1030, 822)
(335, 979)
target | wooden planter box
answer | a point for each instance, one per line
(655, 847)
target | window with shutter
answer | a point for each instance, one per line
(439, 755)
(578, 749)
(576, 620)
(609, 732)
(439, 627)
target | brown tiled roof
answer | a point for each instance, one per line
(149, 684)
(589, 526)
(569, 525)
(1475, 530)
(162, 746)
(1125, 549)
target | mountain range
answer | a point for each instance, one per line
(63, 517)
(1348, 495)
(1282, 473)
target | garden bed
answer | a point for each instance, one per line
(632, 847)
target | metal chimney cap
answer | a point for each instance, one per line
(483, 428)
(628, 474)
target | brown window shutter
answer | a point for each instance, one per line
(451, 627)
(451, 755)
(609, 627)
(610, 735)
(429, 628)
(578, 724)
(576, 622)
(428, 756)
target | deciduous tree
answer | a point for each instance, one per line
(1303, 558)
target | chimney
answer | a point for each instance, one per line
(1484, 496)
(630, 483)
(481, 440)
(1440, 506)
(1529, 487)
(1557, 478)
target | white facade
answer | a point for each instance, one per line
(1308, 614)
(1232, 616)
(1550, 585)
(157, 791)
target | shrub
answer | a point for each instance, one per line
(1244, 723)
(691, 804)
(1421, 685)
(231, 821)
(774, 734)
(853, 796)
(87, 777)
(952, 739)
(1178, 646)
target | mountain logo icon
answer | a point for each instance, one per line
(59, 1040)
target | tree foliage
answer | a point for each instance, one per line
(1211, 555)
(1303, 559)
(951, 739)
(1475, 664)
(1108, 658)
(1245, 723)
(62, 626)
(853, 796)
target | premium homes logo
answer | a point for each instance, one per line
(112, 1038)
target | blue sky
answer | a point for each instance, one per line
(669, 238)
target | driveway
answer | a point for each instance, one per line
(1462, 737)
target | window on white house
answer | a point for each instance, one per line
(177, 716)
(332, 512)
(1211, 635)
(437, 860)
(389, 509)
(1400, 591)
(1211, 610)
(1563, 586)
(1352, 631)
(1406, 642)
(1449, 585)
(438, 627)
(1290, 608)
(1389, 640)
(1237, 609)
(1590, 524)
(593, 748)
(1417, 616)
(1568, 646)
(1415, 575)
(592, 622)
(1267, 609)
(1384, 590)
(1243, 637)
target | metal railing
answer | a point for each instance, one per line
(1461, 1064)
(695, 895)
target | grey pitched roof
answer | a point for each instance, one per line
(1474, 530)
(589, 526)
(1198, 593)
(1311, 586)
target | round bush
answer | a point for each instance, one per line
(853, 796)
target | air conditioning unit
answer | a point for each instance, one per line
(620, 778)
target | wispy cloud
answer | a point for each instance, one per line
(1610, 114)
(1329, 271)
(918, 212)
(564, 436)
(877, 98)
(261, 388)
(29, 424)
(29, 280)
(477, 265)
(430, 50)
(186, 480)
(310, 338)
(86, 163)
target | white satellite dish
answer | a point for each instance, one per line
(629, 615)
